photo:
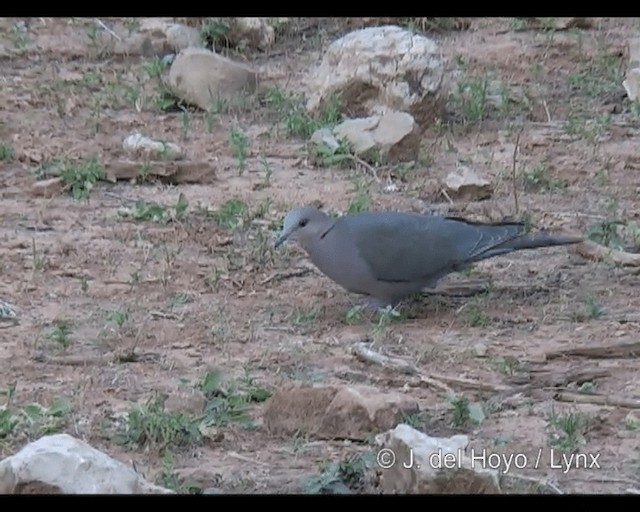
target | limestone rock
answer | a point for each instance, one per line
(252, 32)
(187, 401)
(159, 36)
(414, 463)
(47, 188)
(140, 145)
(391, 137)
(201, 77)
(331, 412)
(631, 83)
(63, 464)
(465, 184)
(380, 68)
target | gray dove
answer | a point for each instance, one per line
(388, 256)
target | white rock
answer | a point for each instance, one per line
(379, 68)
(414, 462)
(140, 145)
(158, 36)
(73, 467)
(467, 185)
(631, 83)
(254, 32)
(392, 136)
(202, 78)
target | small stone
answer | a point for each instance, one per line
(141, 145)
(480, 350)
(465, 184)
(415, 463)
(48, 188)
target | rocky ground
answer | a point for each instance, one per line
(145, 310)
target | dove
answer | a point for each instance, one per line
(389, 256)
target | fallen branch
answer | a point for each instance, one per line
(568, 396)
(366, 355)
(75, 360)
(514, 174)
(173, 172)
(612, 351)
(107, 29)
(472, 384)
(463, 289)
(281, 276)
(593, 251)
(554, 379)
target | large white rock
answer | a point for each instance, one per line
(202, 78)
(631, 83)
(413, 462)
(71, 466)
(380, 68)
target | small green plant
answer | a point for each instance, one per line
(464, 412)
(215, 32)
(354, 315)
(151, 425)
(118, 316)
(340, 477)
(362, 200)
(475, 317)
(229, 401)
(239, 148)
(305, 316)
(591, 310)
(609, 234)
(470, 99)
(38, 259)
(538, 178)
(333, 155)
(508, 365)
(232, 214)
(416, 420)
(151, 211)
(293, 114)
(386, 316)
(81, 177)
(60, 333)
(32, 420)
(170, 480)
(631, 422)
(6, 151)
(567, 430)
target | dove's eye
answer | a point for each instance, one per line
(303, 223)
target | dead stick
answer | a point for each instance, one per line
(568, 396)
(612, 351)
(514, 173)
(593, 251)
(365, 354)
(472, 384)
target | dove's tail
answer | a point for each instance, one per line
(542, 239)
(509, 237)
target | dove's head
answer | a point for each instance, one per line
(301, 225)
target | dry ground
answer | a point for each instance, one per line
(206, 290)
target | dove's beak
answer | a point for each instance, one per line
(281, 239)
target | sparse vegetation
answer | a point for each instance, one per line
(126, 277)
(567, 430)
(340, 477)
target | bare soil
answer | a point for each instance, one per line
(200, 295)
